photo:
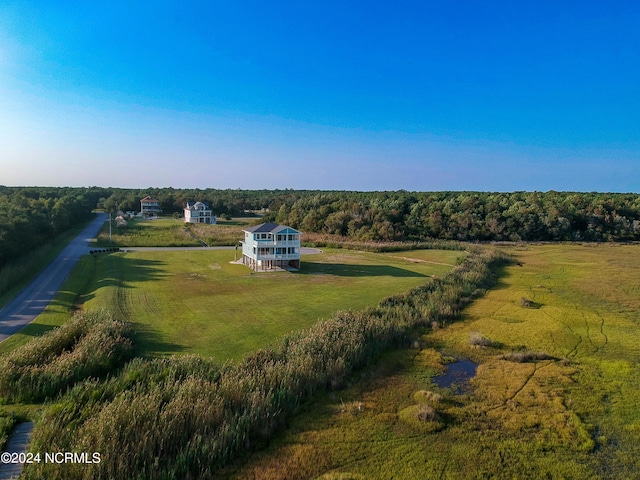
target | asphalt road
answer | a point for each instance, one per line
(30, 303)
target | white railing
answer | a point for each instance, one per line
(275, 256)
(271, 243)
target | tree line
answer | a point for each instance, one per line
(402, 215)
(467, 216)
(31, 216)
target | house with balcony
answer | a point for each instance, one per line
(149, 207)
(199, 212)
(270, 246)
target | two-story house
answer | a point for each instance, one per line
(271, 247)
(149, 206)
(199, 212)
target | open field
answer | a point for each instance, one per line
(171, 232)
(573, 415)
(197, 302)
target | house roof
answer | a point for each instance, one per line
(196, 205)
(269, 228)
(149, 198)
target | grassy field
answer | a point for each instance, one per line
(171, 232)
(573, 415)
(197, 302)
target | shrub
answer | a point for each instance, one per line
(528, 303)
(522, 357)
(476, 338)
(426, 413)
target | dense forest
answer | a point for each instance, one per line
(401, 215)
(31, 215)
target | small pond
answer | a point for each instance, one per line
(457, 376)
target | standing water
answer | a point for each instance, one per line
(457, 376)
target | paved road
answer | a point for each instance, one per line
(30, 303)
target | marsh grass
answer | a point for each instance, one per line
(570, 416)
(89, 345)
(170, 232)
(175, 427)
(7, 422)
(162, 232)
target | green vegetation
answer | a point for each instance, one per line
(7, 423)
(177, 426)
(168, 295)
(570, 413)
(161, 232)
(557, 341)
(17, 274)
(89, 345)
(166, 232)
(30, 217)
(401, 215)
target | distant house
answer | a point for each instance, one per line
(199, 212)
(149, 206)
(271, 247)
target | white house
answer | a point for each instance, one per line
(271, 247)
(149, 206)
(199, 213)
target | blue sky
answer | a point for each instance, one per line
(455, 95)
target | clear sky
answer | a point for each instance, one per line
(382, 95)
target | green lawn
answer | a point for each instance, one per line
(197, 302)
(572, 416)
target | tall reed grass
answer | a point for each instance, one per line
(185, 418)
(6, 425)
(337, 241)
(89, 345)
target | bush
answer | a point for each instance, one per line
(528, 303)
(476, 338)
(522, 357)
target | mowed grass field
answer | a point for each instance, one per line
(572, 415)
(198, 302)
